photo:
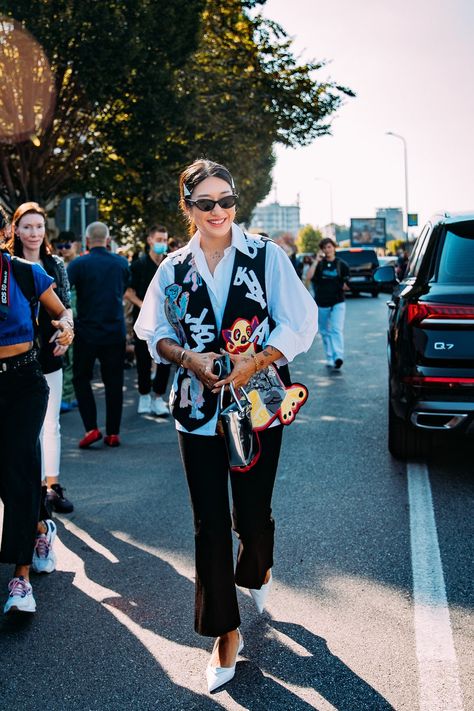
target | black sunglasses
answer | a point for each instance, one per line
(63, 245)
(206, 204)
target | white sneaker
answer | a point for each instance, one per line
(159, 407)
(20, 598)
(144, 405)
(44, 558)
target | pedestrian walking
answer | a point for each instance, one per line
(329, 276)
(142, 272)
(29, 240)
(240, 293)
(100, 279)
(23, 399)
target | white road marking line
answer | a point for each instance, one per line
(87, 538)
(440, 688)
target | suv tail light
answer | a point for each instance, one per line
(438, 313)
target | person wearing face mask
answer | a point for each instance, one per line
(142, 272)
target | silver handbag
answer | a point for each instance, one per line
(242, 443)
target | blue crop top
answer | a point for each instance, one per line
(17, 327)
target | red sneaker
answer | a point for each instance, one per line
(112, 440)
(90, 438)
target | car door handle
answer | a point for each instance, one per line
(391, 304)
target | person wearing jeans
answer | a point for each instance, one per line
(329, 276)
(100, 279)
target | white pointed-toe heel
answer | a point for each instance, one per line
(217, 676)
(260, 596)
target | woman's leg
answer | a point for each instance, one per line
(24, 400)
(206, 467)
(50, 437)
(324, 324)
(252, 513)
(337, 330)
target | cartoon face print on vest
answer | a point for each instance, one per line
(238, 336)
(176, 305)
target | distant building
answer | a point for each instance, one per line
(275, 219)
(393, 221)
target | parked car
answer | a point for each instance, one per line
(431, 338)
(362, 264)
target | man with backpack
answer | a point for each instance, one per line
(329, 276)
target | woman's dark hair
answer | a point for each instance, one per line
(195, 174)
(325, 241)
(14, 245)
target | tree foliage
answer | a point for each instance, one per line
(308, 239)
(146, 86)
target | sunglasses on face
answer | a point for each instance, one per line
(63, 245)
(206, 204)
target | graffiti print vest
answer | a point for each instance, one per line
(246, 325)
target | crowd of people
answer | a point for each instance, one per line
(63, 308)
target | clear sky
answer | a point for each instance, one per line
(411, 64)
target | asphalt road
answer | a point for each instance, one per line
(347, 625)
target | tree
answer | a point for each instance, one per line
(308, 239)
(144, 87)
(113, 67)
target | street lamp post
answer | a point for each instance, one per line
(405, 161)
(331, 212)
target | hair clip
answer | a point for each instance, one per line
(186, 191)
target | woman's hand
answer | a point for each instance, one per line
(202, 365)
(242, 371)
(64, 335)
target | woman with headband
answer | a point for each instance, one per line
(227, 291)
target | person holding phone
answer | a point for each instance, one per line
(23, 399)
(29, 240)
(238, 293)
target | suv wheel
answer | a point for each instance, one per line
(404, 441)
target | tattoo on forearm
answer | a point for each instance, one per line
(269, 351)
(175, 349)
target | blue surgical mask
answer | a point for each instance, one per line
(160, 248)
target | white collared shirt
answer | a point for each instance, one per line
(289, 303)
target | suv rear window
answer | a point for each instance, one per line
(364, 258)
(456, 261)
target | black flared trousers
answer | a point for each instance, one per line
(23, 401)
(207, 471)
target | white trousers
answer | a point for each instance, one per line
(50, 436)
(331, 327)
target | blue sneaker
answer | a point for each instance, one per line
(44, 558)
(20, 598)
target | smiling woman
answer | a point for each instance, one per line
(29, 240)
(227, 290)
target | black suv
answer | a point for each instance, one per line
(362, 264)
(431, 338)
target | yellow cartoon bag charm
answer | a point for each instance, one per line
(271, 399)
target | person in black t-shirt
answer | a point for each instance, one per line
(143, 270)
(329, 276)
